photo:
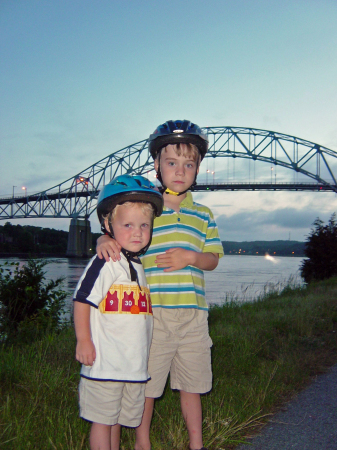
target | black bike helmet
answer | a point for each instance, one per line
(178, 132)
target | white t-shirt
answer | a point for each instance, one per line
(121, 320)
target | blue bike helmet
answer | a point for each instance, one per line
(178, 132)
(126, 188)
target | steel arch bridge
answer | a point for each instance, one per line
(315, 167)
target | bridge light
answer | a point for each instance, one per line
(82, 180)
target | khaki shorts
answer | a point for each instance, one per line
(180, 346)
(111, 402)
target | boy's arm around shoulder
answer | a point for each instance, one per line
(85, 349)
(108, 248)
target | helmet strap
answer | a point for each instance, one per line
(169, 191)
(133, 272)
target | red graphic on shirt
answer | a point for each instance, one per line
(111, 301)
(127, 301)
(142, 302)
(134, 309)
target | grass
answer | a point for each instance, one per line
(263, 352)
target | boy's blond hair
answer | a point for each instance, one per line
(185, 150)
(146, 208)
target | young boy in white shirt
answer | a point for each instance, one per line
(113, 314)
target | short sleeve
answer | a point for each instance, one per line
(213, 243)
(94, 282)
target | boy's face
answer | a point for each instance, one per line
(131, 227)
(178, 171)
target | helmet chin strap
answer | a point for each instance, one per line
(169, 191)
(166, 190)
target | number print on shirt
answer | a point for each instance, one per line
(111, 303)
(126, 299)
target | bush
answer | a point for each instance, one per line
(321, 250)
(29, 305)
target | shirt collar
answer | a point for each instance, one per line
(188, 200)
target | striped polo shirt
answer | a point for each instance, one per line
(192, 228)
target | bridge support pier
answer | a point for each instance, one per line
(79, 239)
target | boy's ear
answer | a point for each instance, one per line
(156, 165)
(198, 167)
(106, 225)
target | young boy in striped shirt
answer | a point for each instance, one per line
(185, 243)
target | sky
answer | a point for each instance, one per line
(82, 79)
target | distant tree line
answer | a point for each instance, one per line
(48, 241)
(30, 239)
(273, 248)
(34, 240)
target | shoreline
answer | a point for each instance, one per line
(58, 255)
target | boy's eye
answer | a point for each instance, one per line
(145, 225)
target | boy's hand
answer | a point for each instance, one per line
(175, 259)
(86, 352)
(108, 248)
(178, 258)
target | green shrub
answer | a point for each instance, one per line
(321, 251)
(30, 306)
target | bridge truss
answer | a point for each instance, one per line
(315, 167)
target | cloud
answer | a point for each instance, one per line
(268, 225)
(290, 217)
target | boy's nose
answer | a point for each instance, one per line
(180, 169)
(137, 231)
